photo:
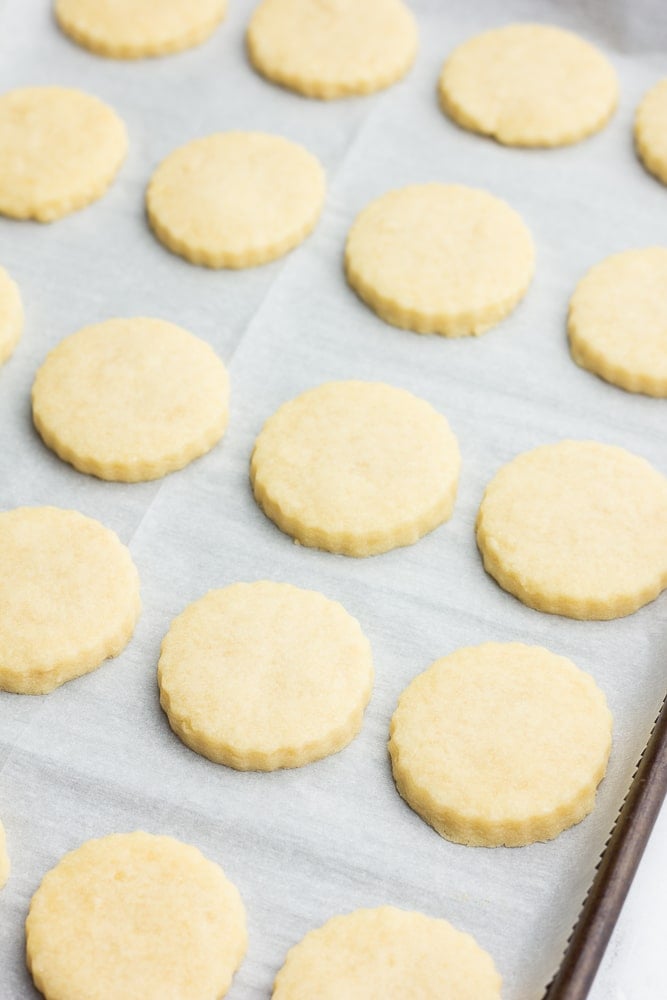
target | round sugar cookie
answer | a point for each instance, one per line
(440, 258)
(136, 916)
(4, 857)
(356, 468)
(386, 952)
(130, 29)
(235, 199)
(500, 744)
(264, 675)
(618, 320)
(651, 132)
(577, 528)
(61, 149)
(131, 399)
(11, 315)
(529, 85)
(69, 597)
(332, 49)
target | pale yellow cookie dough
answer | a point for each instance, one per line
(264, 675)
(131, 399)
(386, 954)
(440, 258)
(69, 597)
(130, 29)
(235, 199)
(11, 315)
(134, 916)
(529, 85)
(500, 744)
(4, 857)
(651, 132)
(356, 468)
(332, 48)
(578, 529)
(618, 320)
(61, 149)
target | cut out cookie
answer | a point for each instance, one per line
(130, 29)
(11, 315)
(4, 858)
(500, 744)
(650, 132)
(69, 597)
(387, 952)
(356, 467)
(618, 320)
(529, 85)
(332, 49)
(578, 529)
(235, 199)
(131, 399)
(61, 150)
(440, 258)
(264, 675)
(135, 916)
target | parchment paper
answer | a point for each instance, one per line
(97, 755)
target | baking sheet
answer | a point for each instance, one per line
(97, 755)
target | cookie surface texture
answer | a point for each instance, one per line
(440, 258)
(577, 528)
(529, 85)
(617, 322)
(130, 29)
(650, 131)
(520, 764)
(334, 48)
(69, 597)
(135, 916)
(11, 315)
(356, 468)
(235, 199)
(265, 675)
(61, 150)
(131, 399)
(4, 857)
(386, 952)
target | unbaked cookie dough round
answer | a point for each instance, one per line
(500, 744)
(356, 468)
(235, 199)
(4, 857)
(332, 49)
(136, 916)
(61, 149)
(440, 258)
(11, 315)
(264, 675)
(69, 597)
(130, 29)
(650, 131)
(387, 952)
(131, 399)
(618, 320)
(529, 85)
(577, 528)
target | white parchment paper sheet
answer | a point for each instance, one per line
(97, 755)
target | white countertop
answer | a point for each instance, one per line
(633, 967)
